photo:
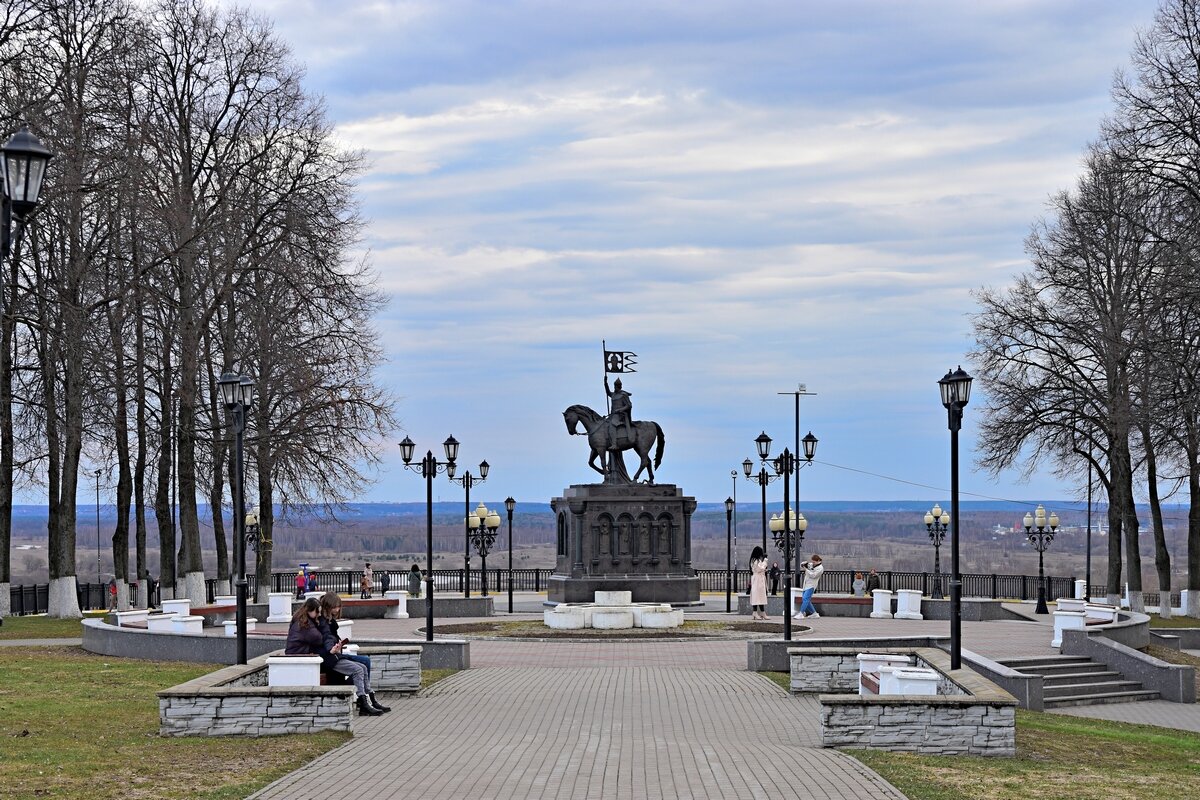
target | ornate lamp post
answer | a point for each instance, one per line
(428, 468)
(763, 477)
(23, 160)
(467, 480)
(729, 505)
(253, 530)
(1041, 539)
(937, 522)
(509, 505)
(955, 389)
(238, 393)
(481, 527)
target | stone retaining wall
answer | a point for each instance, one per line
(969, 716)
(236, 701)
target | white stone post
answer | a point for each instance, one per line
(908, 604)
(881, 604)
(294, 670)
(279, 607)
(400, 610)
(1066, 620)
(1081, 589)
(182, 607)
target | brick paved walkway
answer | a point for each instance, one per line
(598, 732)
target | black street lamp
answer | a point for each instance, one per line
(23, 160)
(428, 468)
(937, 522)
(238, 393)
(1041, 539)
(509, 505)
(763, 477)
(467, 480)
(955, 389)
(729, 505)
(788, 531)
(99, 580)
(482, 525)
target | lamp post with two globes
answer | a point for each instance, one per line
(482, 525)
(467, 480)
(428, 468)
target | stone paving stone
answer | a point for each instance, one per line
(590, 732)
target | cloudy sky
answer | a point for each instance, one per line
(748, 195)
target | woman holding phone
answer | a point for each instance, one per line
(308, 635)
(331, 610)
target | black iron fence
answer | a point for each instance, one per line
(34, 599)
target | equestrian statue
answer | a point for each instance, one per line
(611, 435)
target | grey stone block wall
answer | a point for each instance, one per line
(820, 672)
(962, 728)
(394, 669)
(267, 712)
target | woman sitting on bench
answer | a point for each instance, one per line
(307, 637)
(331, 610)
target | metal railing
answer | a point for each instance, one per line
(34, 598)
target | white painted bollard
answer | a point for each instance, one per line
(797, 599)
(907, 680)
(1067, 620)
(294, 670)
(134, 617)
(231, 626)
(187, 624)
(181, 607)
(1070, 604)
(1081, 589)
(160, 623)
(881, 604)
(346, 629)
(908, 604)
(279, 607)
(400, 610)
(871, 663)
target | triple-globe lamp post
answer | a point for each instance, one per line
(237, 391)
(955, 389)
(1040, 531)
(788, 528)
(429, 467)
(763, 477)
(937, 522)
(482, 525)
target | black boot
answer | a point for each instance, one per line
(375, 702)
(365, 709)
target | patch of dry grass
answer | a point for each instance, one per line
(74, 724)
(1058, 758)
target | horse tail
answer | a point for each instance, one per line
(662, 442)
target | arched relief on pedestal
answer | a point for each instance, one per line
(562, 534)
(602, 537)
(641, 537)
(665, 538)
(624, 537)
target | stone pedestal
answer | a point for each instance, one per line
(1067, 620)
(181, 607)
(634, 538)
(908, 604)
(400, 610)
(1081, 590)
(279, 607)
(881, 600)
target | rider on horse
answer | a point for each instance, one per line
(622, 411)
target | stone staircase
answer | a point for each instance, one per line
(1076, 681)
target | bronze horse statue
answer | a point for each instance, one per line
(607, 443)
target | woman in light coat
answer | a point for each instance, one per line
(758, 583)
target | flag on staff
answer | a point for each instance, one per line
(619, 361)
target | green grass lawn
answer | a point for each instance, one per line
(38, 627)
(1173, 622)
(74, 724)
(1058, 758)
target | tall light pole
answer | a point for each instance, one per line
(800, 391)
(1087, 577)
(509, 505)
(955, 388)
(467, 480)
(1041, 539)
(99, 580)
(729, 506)
(763, 477)
(788, 528)
(428, 468)
(733, 476)
(481, 527)
(936, 522)
(238, 393)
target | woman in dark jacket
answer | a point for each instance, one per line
(308, 635)
(331, 611)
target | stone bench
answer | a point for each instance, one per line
(187, 624)
(134, 618)
(1100, 613)
(161, 623)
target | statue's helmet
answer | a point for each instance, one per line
(617, 383)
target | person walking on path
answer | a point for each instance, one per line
(385, 581)
(774, 574)
(812, 575)
(758, 583)
(312, 582)
(367, 578)
(309, 635)
(414, 581)
(112, 593)
(873, 582)
(301, 585)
